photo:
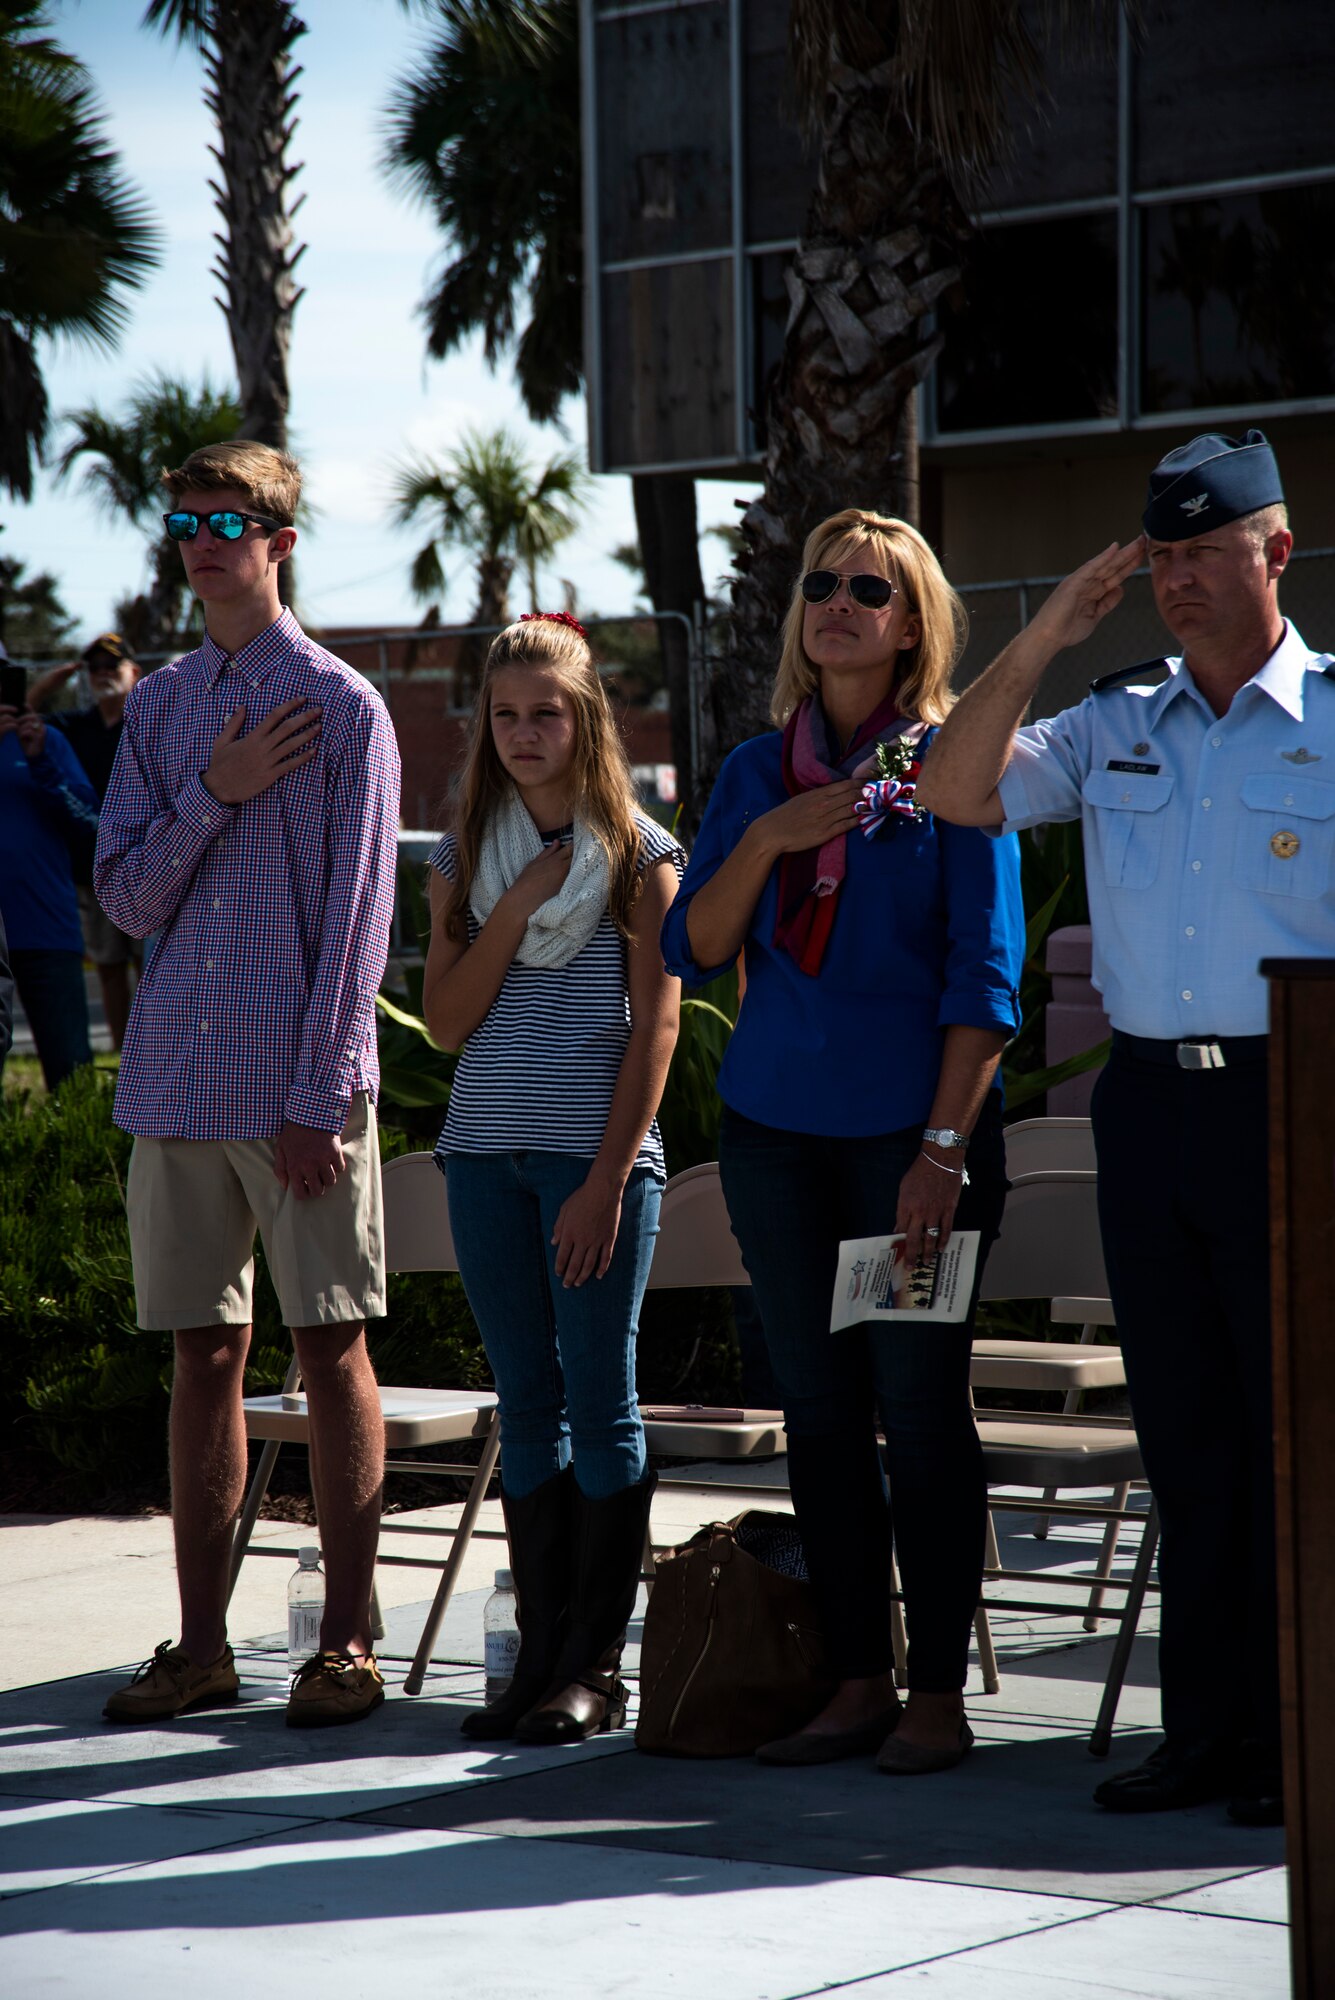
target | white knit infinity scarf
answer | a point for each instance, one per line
(561, 928)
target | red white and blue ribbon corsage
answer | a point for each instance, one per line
(890, 795)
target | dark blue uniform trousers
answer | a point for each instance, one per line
(1184, 1208)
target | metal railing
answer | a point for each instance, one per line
(1133, 632)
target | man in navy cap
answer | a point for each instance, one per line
(1208, 808)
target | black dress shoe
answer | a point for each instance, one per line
(1172, 1777)
(1257, 1797)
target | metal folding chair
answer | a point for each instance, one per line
(417, 1238)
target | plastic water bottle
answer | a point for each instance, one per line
(500, 1631)
(305, 1609)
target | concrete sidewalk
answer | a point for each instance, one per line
(226, 1854)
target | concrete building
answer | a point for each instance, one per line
(1154, 260)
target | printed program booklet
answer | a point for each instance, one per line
(877, 1282)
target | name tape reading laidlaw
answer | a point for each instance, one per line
(876, 1281)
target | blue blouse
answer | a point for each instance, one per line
(929, 934)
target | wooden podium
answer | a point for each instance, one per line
(1302, 1235)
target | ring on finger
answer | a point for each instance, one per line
(934, 1232)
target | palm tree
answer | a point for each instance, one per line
(486, 133)
(491, 501)
(34, 623)
(247, 48)
(74, 237)
(909, 108)
(161, 424)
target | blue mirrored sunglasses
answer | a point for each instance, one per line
(227, 525)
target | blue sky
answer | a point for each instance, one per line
(364, 393)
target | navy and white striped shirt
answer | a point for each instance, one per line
(539, 1070)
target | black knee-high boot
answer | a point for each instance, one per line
(586, 1693)
(540, 1528)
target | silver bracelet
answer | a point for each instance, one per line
(961, 1173)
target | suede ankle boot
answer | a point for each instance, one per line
(539, 1526)
(585, 1693)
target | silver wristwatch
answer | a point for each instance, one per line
(945, 1135)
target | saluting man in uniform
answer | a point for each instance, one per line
(1208, 808)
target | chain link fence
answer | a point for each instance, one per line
(1134, 632)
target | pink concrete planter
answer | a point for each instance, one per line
(1075, 1019)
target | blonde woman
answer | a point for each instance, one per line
(883, 953)
(543, 971)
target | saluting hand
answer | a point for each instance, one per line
(1083, 599)
(241, 767)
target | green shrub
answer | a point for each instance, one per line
(84, 1390)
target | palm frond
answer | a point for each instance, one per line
(188, 20)
(74, 236)
(24, 411)
(426, 578)
(418, 485)
(164, 419)
(490, 500)
(485, 132)
(954, 68)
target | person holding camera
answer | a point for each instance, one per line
(93, 732)
(46, 802)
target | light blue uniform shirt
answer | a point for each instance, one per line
(1209, 840)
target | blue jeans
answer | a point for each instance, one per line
(55, 1000)
(792, 1197)
(563, 1359)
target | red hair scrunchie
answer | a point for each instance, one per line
(555, 618)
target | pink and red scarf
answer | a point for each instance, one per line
(809, 882)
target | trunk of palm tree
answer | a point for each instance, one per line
(878, 249)
(251, 96)
(668, 525)
(151, 620)
(162, 602)
(493, 609)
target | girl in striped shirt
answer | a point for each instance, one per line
(544, 972)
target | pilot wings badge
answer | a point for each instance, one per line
(1301, 756)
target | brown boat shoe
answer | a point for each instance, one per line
(334, 1687)
(171, 1682)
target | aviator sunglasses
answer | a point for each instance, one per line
(227, 525)
(872, 592)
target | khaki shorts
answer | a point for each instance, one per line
(102, 941)
(195, 1204)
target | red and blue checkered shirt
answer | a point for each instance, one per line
(269, 920)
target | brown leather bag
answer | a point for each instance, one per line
(731, 1655)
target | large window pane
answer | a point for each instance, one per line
(663, 126)
(769, 317)
(668, 365)
(780, 167)
(1224, 89)
(1238, 300)
(1064, 149)
(1035, 341)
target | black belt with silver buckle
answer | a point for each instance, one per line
(1200, 1053)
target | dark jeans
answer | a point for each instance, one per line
(55, 1000)
(792, 1197)
(563, 1357)
(1184, 1209)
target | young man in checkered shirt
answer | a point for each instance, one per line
(249, 833)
